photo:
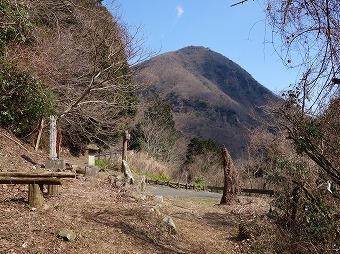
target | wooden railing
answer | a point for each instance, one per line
(186, 186)
(244, 190)
(176, 185)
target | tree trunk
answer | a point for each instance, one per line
(229, 188)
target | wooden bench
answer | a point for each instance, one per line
(36, 183)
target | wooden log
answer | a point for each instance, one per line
(35, 196)
(29, 180)
(38, 174)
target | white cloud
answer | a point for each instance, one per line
(180, 11)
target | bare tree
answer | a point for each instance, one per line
(155, 131)
(310, 36)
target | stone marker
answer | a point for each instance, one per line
(54, 163)
(91, 170)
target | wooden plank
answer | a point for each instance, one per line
(39, 181)
(38, 175)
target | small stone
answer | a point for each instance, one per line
(67, 235)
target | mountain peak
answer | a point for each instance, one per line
(210, 95)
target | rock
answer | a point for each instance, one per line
(159, 198)
(142, 197)
(127, 173)
(155, 210)
(167, 220)
(67, 235)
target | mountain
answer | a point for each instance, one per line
(210, 95)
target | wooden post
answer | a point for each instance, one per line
(52, 190)
(41, 127)
(35, 196)
(126, 138)
(58, 142)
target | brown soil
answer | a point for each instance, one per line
(107, 218)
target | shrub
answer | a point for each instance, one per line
(23, 100)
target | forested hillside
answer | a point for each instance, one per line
(68, 58)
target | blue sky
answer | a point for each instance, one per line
(239, 33)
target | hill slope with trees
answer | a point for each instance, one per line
(73, 57)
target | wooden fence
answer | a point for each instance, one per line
(186, 186)
(177, 185)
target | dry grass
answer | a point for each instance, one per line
(141, 162)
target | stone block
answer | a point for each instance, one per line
(55, 164)
(91, 171)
